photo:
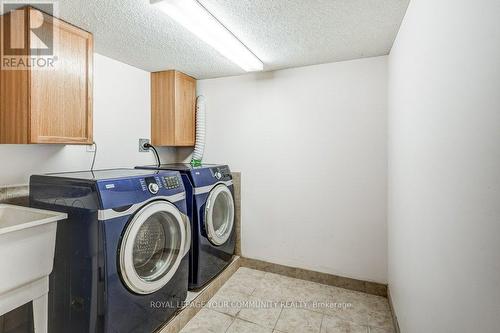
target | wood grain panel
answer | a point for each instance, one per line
(14, 84)
(61, 96)
(162, 108)
(185, 103)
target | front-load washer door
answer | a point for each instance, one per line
(219, 214)
(152, 247)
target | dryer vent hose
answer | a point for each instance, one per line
(199, 147)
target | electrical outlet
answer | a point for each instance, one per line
(142, 142)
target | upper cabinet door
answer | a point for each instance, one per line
(57, 104)
(173, 102)
(185, 109)
(61, 97)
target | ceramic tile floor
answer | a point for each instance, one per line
(257, 302)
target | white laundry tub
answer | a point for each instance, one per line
(27, 241)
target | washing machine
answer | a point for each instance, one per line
(121, 262)
(210, 200)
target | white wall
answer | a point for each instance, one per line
(311, 145)
(444, 167)
(121, 116)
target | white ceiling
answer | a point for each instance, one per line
(282, 33)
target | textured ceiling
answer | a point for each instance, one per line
(282, 33)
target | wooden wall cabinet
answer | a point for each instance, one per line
(49, 104)
(173, 103)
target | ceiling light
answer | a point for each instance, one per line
(194, 17)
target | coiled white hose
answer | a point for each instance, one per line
(199, 147)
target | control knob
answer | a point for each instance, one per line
(153, 188)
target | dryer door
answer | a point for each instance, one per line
(219, 214)
(152, 247)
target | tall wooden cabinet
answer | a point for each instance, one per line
(173, 102)
(46, 103)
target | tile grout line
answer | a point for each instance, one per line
(234, 319)
(321, 324)
(277, 320)
(252, 295)
(251, 322)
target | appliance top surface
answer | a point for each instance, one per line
(97, 175)
(179, 166)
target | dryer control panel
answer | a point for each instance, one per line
(221, 173)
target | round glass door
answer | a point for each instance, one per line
(219, 215)
(152, 247)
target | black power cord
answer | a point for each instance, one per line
(150, 146)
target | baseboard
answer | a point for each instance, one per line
(393, 313)
(15, 195)
(319, 277)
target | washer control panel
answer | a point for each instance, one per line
(151, 184)
(171, 182)
(154, 184)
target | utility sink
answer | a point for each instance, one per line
(27, 241)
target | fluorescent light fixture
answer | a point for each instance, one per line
(194, 17)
